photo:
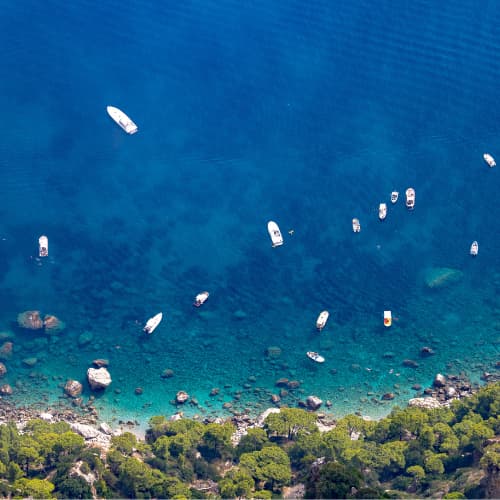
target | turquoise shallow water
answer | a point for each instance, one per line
(308, 116)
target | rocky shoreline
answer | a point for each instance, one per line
(84, 419)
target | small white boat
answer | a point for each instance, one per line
(43, 246)
(474, 248)
(200, 299)
(356, 226)
(394, 197)
(382, 211)
(322, 319)
(274, 233)
(315, 357)
(410, 198)
(387, 318)
(153, 322)
(489, 160)
(122, 119)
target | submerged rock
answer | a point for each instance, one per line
(410, 363)
(239, 314)
(85, 338)
(439, 277)
(6, 390)
(100, 362)
(30, 320)
(30, 361)
(426, 351)
(167, 373)
(52, 323)
(273, 351)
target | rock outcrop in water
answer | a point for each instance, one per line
(52, 323)
(440, 277)
(99, 378)
(73, 388)
(30, 320)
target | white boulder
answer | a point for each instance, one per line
(87, 431)
(99, 378)
(429, 403)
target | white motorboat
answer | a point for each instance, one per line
(356, 226)
(315, 357)
(489, 160)
(43, 246)
(152, 323)
(474, 248)
(410, 198)
(122, 119)
(274, 233)
(322, 319)
(382, 211)
(394, 197)
(387, 318)
(200, 299)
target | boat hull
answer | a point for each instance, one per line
(124, 121)
(315, 357)
(152, 323)
(489, 160)
(200, 299)
(474, 248)
(382, 211)
(275, 234)
(356, 226)
(322, 319)
(43, 246)
(410, 198)
(387, 318)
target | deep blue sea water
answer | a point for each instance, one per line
(306, 114)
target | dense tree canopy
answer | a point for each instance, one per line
(413, 451)
(290, 423)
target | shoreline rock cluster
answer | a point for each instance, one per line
(83, 418)
(85, 425)
(444, 390)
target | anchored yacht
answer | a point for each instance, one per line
(387, 318)
(382, 211)
(200, 299)
(274, 233)
(122, 119)
(315, 357)
(43, 246)
(489, 160)
(152, 323)
(410, 198)
(322, 319)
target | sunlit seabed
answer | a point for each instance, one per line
(313, 123)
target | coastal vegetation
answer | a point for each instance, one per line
(447, 452)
